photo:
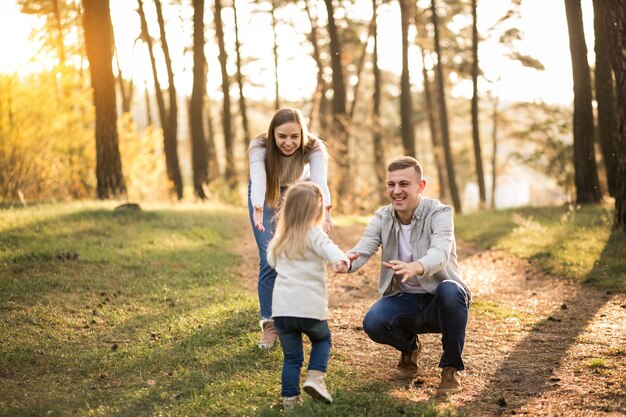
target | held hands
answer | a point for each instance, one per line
(257, 217)
(340, 267)
(406, 269)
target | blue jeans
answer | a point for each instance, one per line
(267, 275)
(290, 330)
(395, 320)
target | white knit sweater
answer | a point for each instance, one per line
(313, 168)
(300, 286)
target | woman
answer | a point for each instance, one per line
(286, 153)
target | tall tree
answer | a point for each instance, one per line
(126, 86)
(172, 113)
(242, 98)
(406, 107)
(429, 105)
(230, 173)
(434, 132)
(98, 32)
(605, 97)
(196, 107)
(319, 104)
(340, 116)
(360, 66)
(275, 51)
(616, 23)
(443, 114)
(585, 168)
(170, 147)
(478, 160)
(380, 170)
(494, 149)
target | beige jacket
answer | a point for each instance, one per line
(433, 245)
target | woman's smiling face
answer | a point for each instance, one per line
(288, 138)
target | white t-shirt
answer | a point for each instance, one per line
(405, 254)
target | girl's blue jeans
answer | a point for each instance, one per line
(290, 331)
(395, 320)
(267, 275)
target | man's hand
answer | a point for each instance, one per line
(352, 256)
(257, 217)
(340, 267)
(406, 269)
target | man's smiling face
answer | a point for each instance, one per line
(403, 189)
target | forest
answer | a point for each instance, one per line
(128, 264)
(171, 116)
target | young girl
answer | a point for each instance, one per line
(298, 252)
(286, 153)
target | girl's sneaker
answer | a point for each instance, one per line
(269, 336)
(314, 386)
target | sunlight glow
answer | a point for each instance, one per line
(542, 22)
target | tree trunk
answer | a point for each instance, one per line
(169, 148)
(198, 144)
(438, 155)
(230, 174)
(605, 97)
(443, 116)
(341, 146)
(380, 170)
(242, 97)
(172, 116)
(275, 50)
(406, 107)
(319, 97)
(360, 67)
(616, 24)
(214, 167)
(60, 40)
(99, 46)
(126, 87)
(480, 176)
(494, 152)
(148, 105)
(585, 169)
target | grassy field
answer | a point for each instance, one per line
(570, 242)
(143, 313)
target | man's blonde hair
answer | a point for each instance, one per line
(301, 210)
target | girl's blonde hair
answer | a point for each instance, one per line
(301, 210)
(273, 166)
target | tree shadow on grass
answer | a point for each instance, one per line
(523, 375)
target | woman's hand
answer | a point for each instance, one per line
(406, 269)
(257, 217)
(328, 220)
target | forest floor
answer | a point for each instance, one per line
(536, 345)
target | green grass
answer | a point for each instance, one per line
(497, 311)
(571, 242)
(151, 319)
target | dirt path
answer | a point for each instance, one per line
(533, 355)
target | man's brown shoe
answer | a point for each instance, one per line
(450, 381)
(407, 365)
(269, 336)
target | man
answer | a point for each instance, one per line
(420, 283)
